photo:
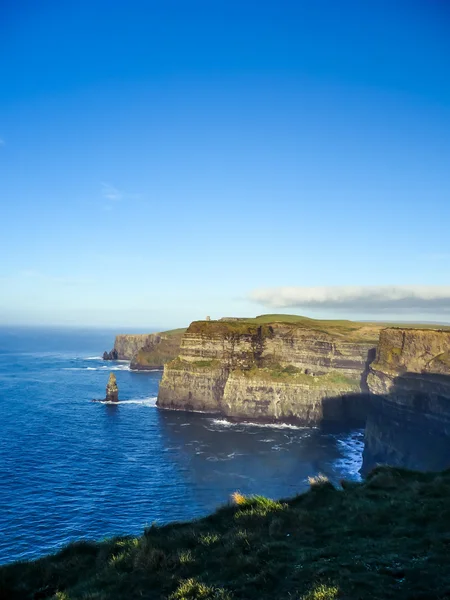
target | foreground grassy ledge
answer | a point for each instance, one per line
(388, 537)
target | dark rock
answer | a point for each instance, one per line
(110, 355)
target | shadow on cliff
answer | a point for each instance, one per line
(410, 426)
(350, 410)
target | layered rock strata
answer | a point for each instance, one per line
(408, 422)
(290, 371)
(412, 371)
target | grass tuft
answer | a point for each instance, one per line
(191, 589)
(318, 480)
(322, 592)
(238, 498)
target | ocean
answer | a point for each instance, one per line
(71, 468)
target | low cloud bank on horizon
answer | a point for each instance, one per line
(362, 299)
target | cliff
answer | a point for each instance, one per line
(274, 367)
(412, 369)
(408, 422)
(126, 346)
(387, 537)
(159, 348)
(147, 351)
(403, 438)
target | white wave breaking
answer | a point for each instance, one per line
(102, 368)
(352, 446)
(225, 423)
(149, 402)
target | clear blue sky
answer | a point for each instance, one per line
(160, 161)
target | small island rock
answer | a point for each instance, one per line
(112, 391)
(110, 355)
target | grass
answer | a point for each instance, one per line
(192, 365)
(174, 332)
(385, 538)
(352, 331)
(291, 374)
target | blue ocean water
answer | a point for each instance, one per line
(71, 468)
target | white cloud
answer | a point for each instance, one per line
(111, 193)
(363, 299)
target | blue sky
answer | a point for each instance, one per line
(161, 161)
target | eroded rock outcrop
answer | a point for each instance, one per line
(112, 390)
(306, 371)
(110, 355)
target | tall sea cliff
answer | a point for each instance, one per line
(270, 369)
(296, 369)
(408, 421)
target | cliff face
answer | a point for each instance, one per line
(158, 349)
(404, 438)
(409, 421)
(128, 345)
(412, 371)
(268, 370)
(146, 351)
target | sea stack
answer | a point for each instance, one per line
(112, 391)
(110, 355)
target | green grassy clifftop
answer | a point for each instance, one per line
(386, 538)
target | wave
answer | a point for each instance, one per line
(102, 368)
(150, 402)
(145, 370)
(352, 446)
(93, 358)
(225, 423)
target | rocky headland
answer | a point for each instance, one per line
(274, 367)
(146, 351)
(294, 369)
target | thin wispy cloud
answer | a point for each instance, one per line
(2, 142)
(361, 299)
(111, 192)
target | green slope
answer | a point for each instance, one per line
(388, 537)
